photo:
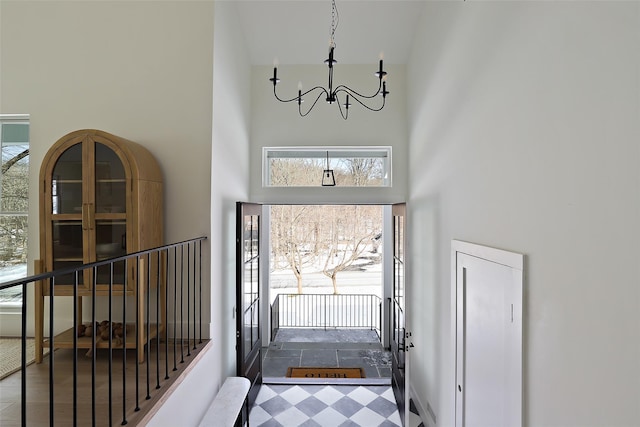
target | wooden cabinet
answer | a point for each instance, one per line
(100, 197)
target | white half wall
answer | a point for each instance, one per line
(524, 135)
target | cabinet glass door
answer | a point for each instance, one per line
(110, 192)
(110, 212)
(66, 182)
(66, 208)
(67, 248)
(110, 242)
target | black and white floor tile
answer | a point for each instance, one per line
(324, 406)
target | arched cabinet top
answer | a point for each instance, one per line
(139, 163)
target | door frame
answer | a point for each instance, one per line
(387, 277)
(403, 388)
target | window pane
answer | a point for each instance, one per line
(14, 204)
(304, 167)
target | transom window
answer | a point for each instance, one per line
(304, 166)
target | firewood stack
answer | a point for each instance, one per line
(102, 331)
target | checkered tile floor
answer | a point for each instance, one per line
(324, 406)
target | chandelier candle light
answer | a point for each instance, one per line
(331, 93)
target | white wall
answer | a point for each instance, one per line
(230, 169)
(275, 124)
(229, 183)
(524, 135)
(140, 70)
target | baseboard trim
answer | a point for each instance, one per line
(425, 416)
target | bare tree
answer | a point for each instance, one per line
(292, 238)
(351, 230)
(362, 172)
(14, 180)
(295, 172)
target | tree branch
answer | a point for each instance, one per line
(14, 160)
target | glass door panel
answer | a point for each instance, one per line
(111, 189)
(248, 329)
(399, 381)
(111, 242)
(104, 274)
(66, 182)
(111, 238)
(67, 248)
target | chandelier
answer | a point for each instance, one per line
(333, 94)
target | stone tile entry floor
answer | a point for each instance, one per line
(349, 348)
(328, 406)
(324, 406)
(290, 402)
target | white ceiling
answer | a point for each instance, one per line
(297, 31)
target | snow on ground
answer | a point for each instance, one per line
(8, 274)
(366, 281)
(13, 272)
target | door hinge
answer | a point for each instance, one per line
(407, 335)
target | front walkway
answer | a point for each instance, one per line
(352, 348)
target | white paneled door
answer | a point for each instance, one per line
(488, 318)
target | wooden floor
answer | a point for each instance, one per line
(38, 403)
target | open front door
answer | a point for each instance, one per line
(399, 337)
(248, 328)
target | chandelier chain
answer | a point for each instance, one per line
(335, 20)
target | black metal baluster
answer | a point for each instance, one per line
(23, 379)
(200, 284)
(181, 301)
(194, 295)
(51, 348)
(125, 286)
(93, 345)
(148, 325)
(110, 343)
(188, 299)
(158, 287)
(166, 306)
(75, 348)
(137, 332)
(175, 304)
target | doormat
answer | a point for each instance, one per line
(322, 373)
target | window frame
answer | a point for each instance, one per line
(320, 152)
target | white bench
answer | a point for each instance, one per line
(227, 405)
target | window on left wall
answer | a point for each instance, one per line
(14, 203)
